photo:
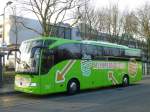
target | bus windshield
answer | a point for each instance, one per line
(26, 63)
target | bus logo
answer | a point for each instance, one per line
(60, 75)
(132, 67)
(112, 78)
(86, 65)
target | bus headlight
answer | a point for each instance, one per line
(33, 84)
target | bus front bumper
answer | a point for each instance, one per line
(27, 85)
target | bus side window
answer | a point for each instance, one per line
(110, 51)
(76, 50)
(67, 51)
(116, 52)
(122, 52)
(59, 54)
(47, 60)
(90, 50)
(99, 51)
(107, 51)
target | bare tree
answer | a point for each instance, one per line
(15, 22)
(129, 26)
(16, 27)
(115, 20)
(48, 12)
(109, 20)
(144, 20)
(143, 15)
(100, 22)
(87, 20)
(130, 23)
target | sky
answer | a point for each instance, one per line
(123, 4)
(3, 3)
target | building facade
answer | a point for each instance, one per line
(16, 30)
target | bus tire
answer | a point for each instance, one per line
(73, 86)
(125, 81)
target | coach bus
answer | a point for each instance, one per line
(50, 65)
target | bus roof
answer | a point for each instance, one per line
(100, 43)
(104, 43)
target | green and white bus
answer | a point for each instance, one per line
(50, 65)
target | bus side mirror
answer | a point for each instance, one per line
(10, 52)
(33, 52)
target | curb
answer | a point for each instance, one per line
(8, 93)
(146, 77)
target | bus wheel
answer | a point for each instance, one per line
(125, 81)
(73, 86)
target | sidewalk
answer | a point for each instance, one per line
(146, 77)
(7, 89)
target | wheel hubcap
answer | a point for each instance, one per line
(73, 86)
(125, 81)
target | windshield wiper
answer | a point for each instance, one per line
(26, 66)
(18, 60)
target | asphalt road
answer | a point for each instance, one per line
(135, 98)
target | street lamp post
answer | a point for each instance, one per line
(1, 76)
(7, 4)
(3, 42)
